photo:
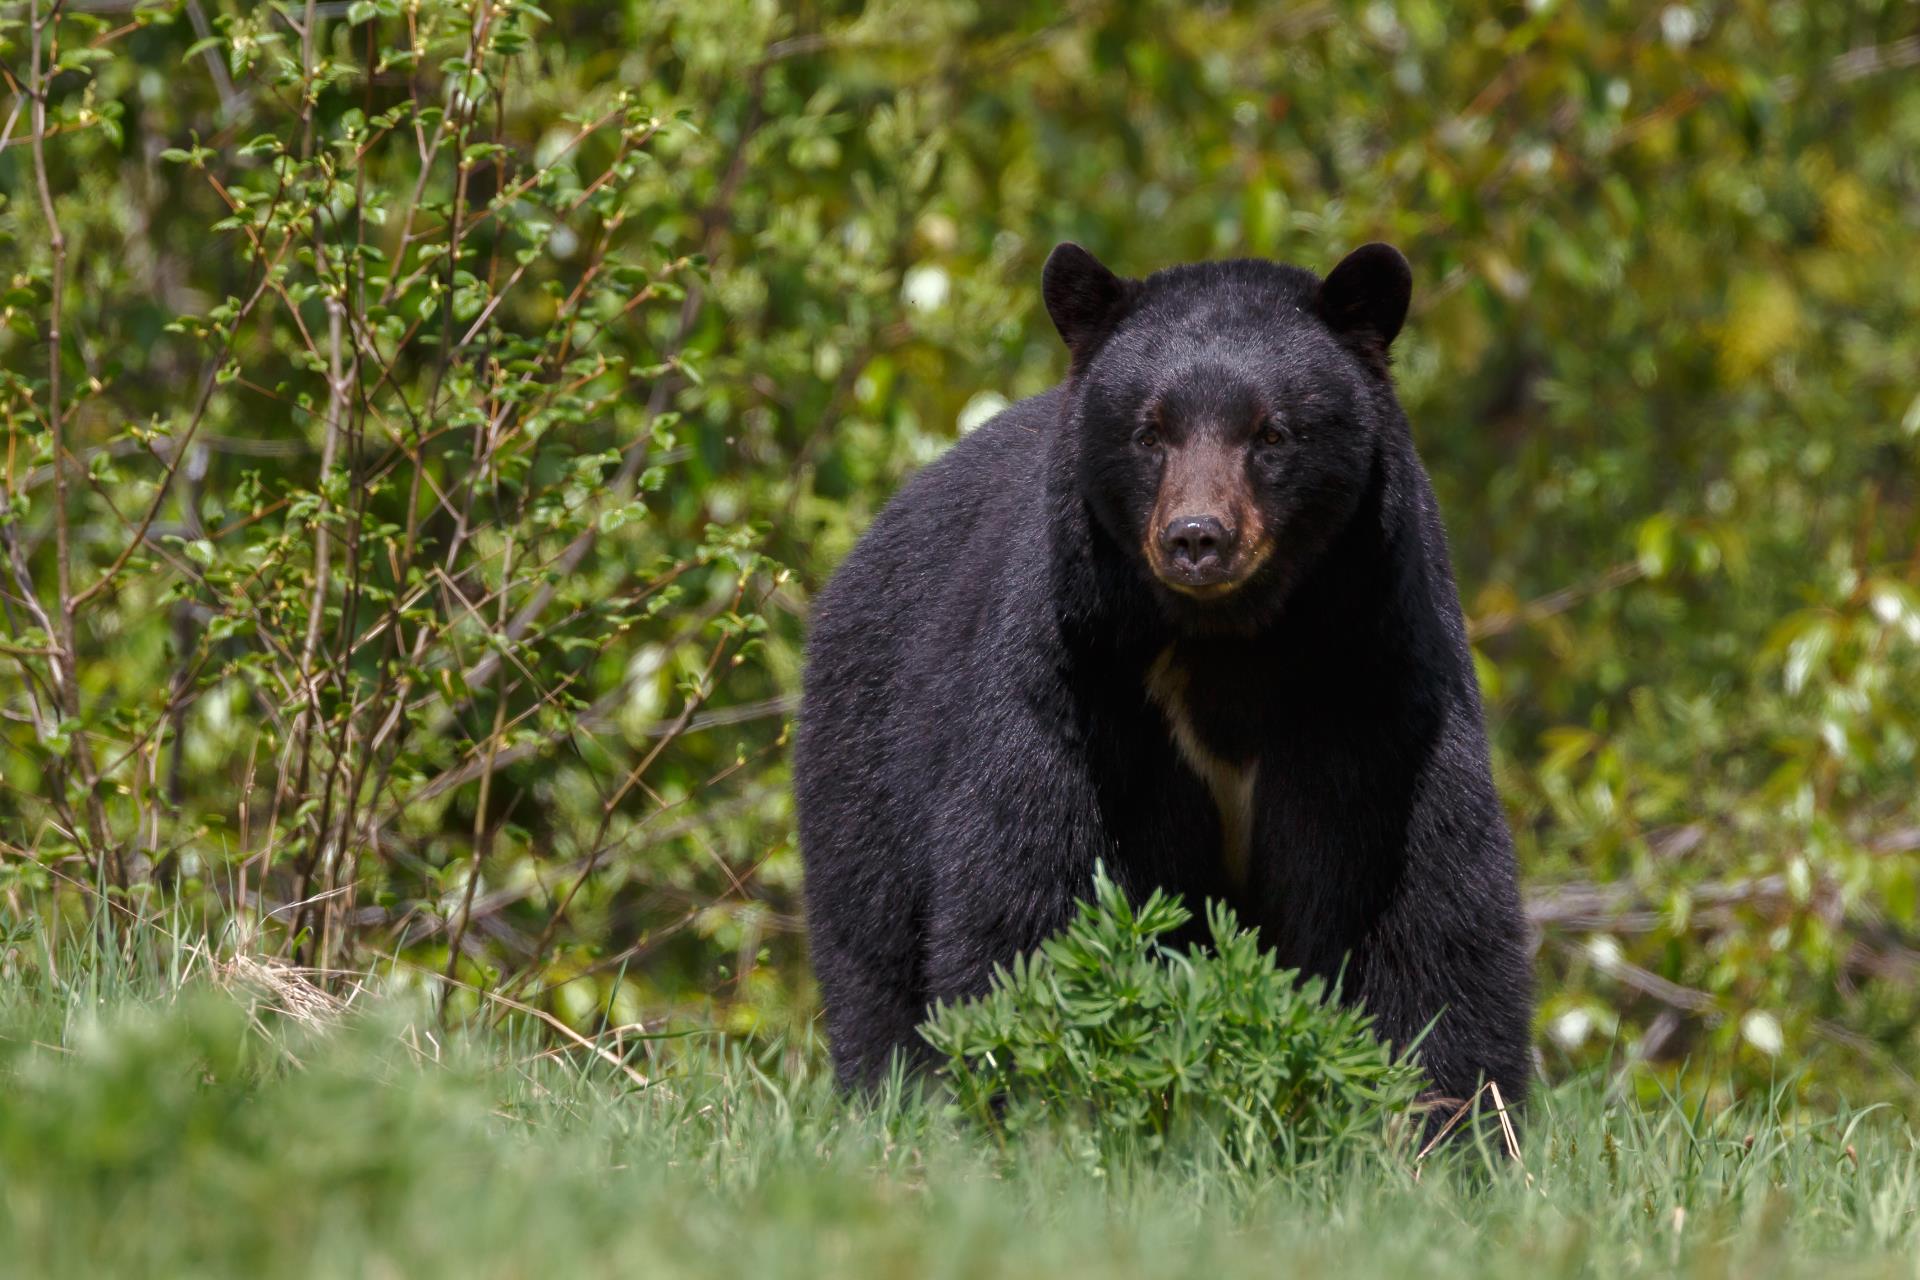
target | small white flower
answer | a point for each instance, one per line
(1762, 1031)
(1571, 1029)
(925, 288)
(1679, 24)
(977, 410)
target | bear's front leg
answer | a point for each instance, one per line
(1013, 851)
(1455, 956)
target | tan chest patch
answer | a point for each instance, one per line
(1230, 784)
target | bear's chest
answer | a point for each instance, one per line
(1218, 744)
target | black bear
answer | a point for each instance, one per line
(1189, 613)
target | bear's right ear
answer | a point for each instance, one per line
(1082, 296)
(1364, 300)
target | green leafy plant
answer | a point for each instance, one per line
(1110, 1035)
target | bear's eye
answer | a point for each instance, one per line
(1148, 439)
(1272, 434)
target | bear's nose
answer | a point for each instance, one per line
(1196, 544)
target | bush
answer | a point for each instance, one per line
(378, 524)
(1109, 1035)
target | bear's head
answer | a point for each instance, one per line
(1229, 415)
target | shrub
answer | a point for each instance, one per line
(374, 603)
(1109, 1035)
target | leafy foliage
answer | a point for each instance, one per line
(367, 530)
(1660, 365)
(1109, 1034)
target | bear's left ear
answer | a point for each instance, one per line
(1364, 300)
(1083, 297)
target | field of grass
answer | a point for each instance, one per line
(187, 1117)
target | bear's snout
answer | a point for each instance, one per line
(1197, 549)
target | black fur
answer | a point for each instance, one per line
(977, 728)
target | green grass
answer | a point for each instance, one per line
(153, 1122)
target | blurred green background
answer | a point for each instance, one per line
(557, 355)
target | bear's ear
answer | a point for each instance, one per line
(1082, 296)
(1364, 300)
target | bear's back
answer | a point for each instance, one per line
(944, 544)
(903, 639)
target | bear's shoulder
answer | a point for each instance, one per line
(955, 527)
(995, 469)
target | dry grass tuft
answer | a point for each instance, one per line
(268, 987)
